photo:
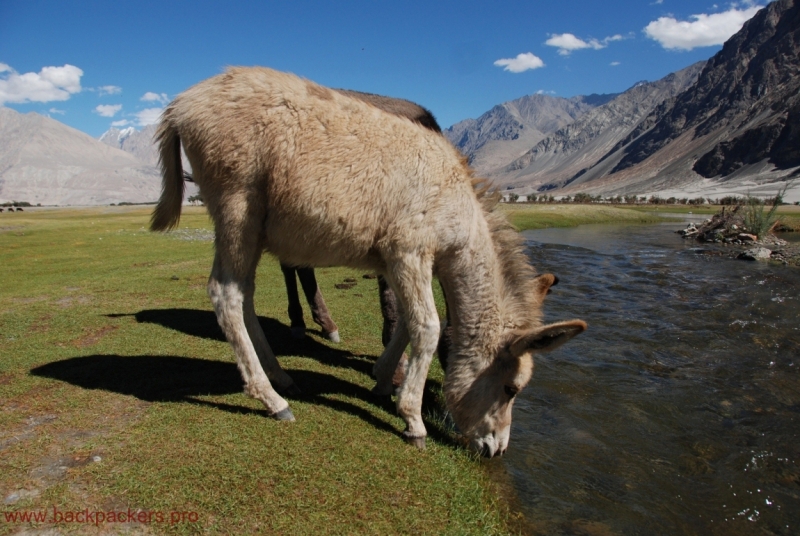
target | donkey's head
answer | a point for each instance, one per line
(480, 390)
(480, 399)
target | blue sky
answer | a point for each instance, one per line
(91, 64)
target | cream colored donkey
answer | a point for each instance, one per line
(319, 178)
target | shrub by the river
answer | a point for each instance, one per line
(757, 219)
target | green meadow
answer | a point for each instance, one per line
(538, 216)
(119, 395)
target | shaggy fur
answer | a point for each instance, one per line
(388, 300)
(319, 178)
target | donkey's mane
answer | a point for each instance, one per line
(519, 287)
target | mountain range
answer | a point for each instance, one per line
(43, 161)
(508, 129)
(730, 125)
(139, 143)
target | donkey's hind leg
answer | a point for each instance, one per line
(234, 265)
(319, 309)
(296, 322)
(283, 383)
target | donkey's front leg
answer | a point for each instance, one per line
(227, 291)
(411, 279)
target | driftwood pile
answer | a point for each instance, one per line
(727, 228)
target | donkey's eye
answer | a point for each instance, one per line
(511, 391)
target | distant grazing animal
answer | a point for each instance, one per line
(320, 178)
(1, 210)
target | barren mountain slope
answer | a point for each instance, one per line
(509, 129)
(44, 161)
(139, 143)
(564, 156)
(740, 123)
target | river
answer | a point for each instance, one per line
(678, 410)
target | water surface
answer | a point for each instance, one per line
(677, 411)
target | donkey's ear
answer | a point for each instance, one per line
(543, 283)
(547, 337)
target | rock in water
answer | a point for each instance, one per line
(755, 254)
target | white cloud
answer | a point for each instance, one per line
(56, 111)
(523, 62)
(155, 97)
(614, 63)
(148, 116)
(108, 110)
(567, 43)
(109, 90)
(120, 123)
(49, 84)
(703, 31)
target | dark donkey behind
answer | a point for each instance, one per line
(388, 300)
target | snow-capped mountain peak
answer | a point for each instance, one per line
(137, 142)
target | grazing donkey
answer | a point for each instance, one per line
(319, 178)
(319, 310)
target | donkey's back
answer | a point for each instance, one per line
(331, 177)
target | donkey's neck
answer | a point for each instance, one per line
(473, 285)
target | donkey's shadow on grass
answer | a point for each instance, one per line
(203, 324)
(168, 378)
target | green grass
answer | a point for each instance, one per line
(109, 348)
(678, 209)
(538, 216)
(789, 214)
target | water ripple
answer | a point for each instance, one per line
(677, 411)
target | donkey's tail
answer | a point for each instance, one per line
(167, 213)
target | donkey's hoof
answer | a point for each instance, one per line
(333, 336)
(417, 441)
(283, 415)
(298, 332)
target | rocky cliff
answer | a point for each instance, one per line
(731, 126)
(746, 100)
(565, 156)
(511, 128)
